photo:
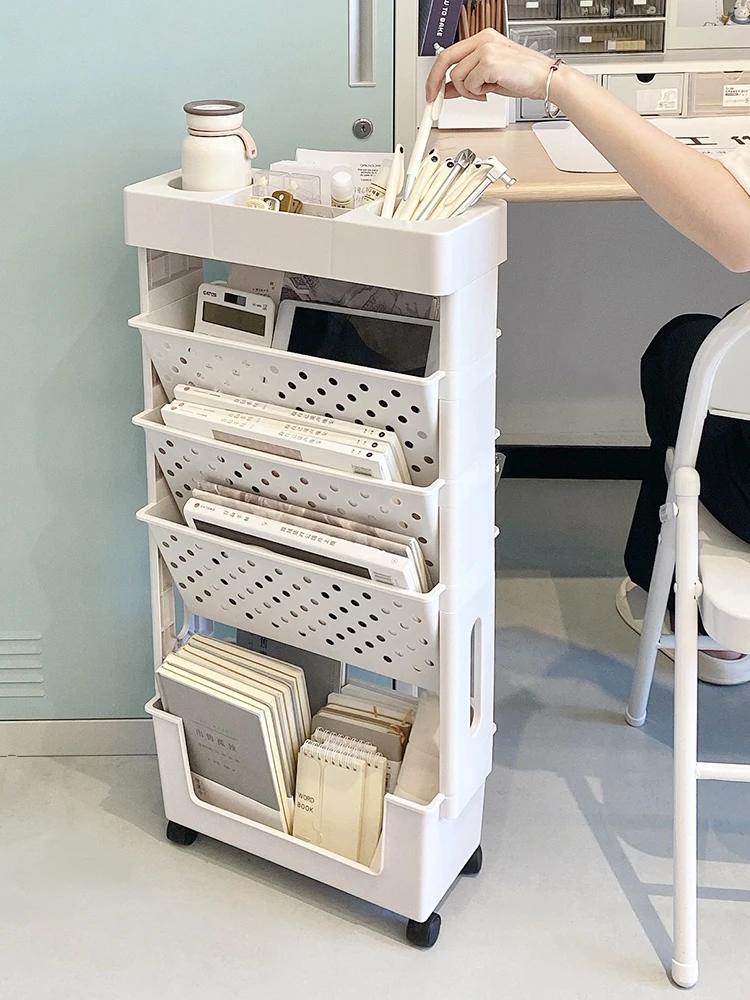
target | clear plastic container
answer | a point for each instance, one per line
(638, 8)
(532, 10)
(610, 37)
(541, 38)
(576, 9)
(719, 94)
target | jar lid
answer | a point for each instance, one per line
(212, 109)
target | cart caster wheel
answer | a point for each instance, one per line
(180, 834)
(474, 865)
(424, 935)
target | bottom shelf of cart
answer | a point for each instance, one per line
(419, 857)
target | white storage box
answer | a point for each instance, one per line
(461, 113)
(650, 94)
(419, 856)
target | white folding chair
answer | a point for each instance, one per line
(711, 568)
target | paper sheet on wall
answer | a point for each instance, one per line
(573, 153)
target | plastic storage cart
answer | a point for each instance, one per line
(442, 641)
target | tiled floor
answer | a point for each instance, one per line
(574, 900)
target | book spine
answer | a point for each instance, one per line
(309, 546)
(440, 25)
(274, 437)
(239, 404)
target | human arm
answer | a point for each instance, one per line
(694, 193)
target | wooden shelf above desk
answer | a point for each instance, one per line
(538, 179)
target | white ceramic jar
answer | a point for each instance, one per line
(217, 153)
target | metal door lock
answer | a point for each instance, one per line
(363, 128)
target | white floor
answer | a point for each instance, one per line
(574, 900)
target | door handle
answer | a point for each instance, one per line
(362, 43)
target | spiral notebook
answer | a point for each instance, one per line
(339, 799)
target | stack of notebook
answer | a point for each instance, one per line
(245, 718)
(347, 767)
(338, 543)
(293, 434)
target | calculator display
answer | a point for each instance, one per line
(234, 319)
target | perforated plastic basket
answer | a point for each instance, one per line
(187, 459)
(402, 403)
(393, 632)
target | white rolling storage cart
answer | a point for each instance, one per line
(442, 641)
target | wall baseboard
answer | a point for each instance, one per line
(77, 738)
(573, 462)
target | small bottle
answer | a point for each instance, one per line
(342, 188)
(376, 190)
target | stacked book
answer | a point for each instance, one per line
(310, 536)
(245, 718)
(346, 768)
(292, 434)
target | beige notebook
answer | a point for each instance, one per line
(235, 653)
(329, 800)
(376, 785)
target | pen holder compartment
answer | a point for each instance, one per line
(186, 459)
(402, 403)
(389, 631)
(432, 258)
(435, 258)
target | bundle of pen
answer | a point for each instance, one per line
(444, 189)
(476, 15)
(433, 188)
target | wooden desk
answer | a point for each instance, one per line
(538, 179)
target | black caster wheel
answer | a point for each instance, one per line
(180, 834)
(426, 934)
(474, 865)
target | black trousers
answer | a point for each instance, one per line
(723, 459)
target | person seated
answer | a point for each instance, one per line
(708, 201)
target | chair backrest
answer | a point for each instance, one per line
(719, 381)
(730, 393)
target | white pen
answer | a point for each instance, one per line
(462, 162)
(430, 115)
(498, 172)
(424, 179)
(458, 192)
(433, 186)
(392, 187)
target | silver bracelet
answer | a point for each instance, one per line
(547, 106)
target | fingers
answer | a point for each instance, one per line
(481, 77)
(454, 54)
(462, 70)
(451, 93)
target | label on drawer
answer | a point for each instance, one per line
(532, 4)
(651, 102)
(585, 40)
(587, 3)
(736, 95)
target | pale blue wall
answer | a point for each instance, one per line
(90, 100)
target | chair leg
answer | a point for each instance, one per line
(653, 621)
(685, 960)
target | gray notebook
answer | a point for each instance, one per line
(225, 741)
